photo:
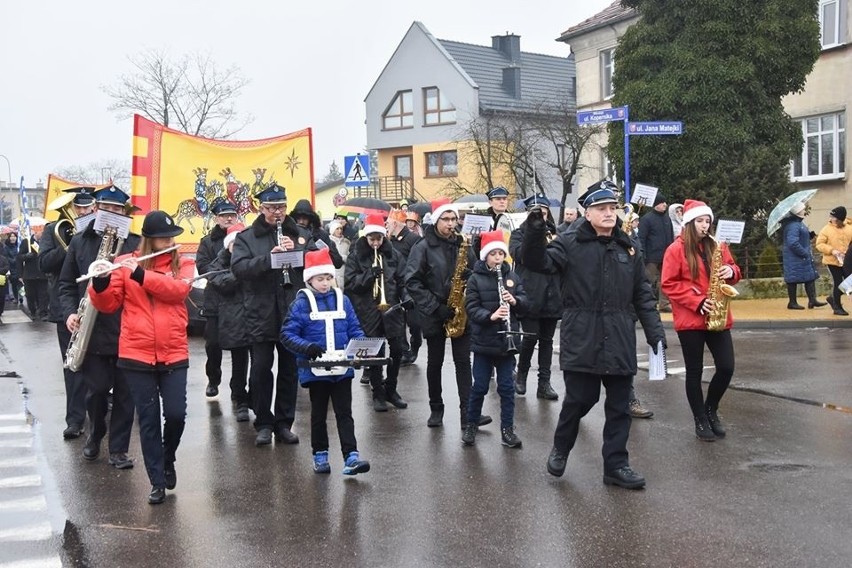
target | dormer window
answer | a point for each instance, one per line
(400, 113)
(437, 109)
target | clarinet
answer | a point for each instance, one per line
(285, 270)
(511, 349)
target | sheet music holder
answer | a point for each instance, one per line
(476, 224)
(657, 366)
(104, 219)
(290, 258)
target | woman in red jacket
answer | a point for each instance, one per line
(686, 281)
(152, 349)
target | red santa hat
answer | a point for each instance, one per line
(318, 262)
(693, 209)
(441, 206)
(375, 224)
(231, 234)
(492, 240)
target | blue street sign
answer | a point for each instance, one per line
(654, 128)
(601, 116)
(357, 170)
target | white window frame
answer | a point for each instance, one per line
(835, 38)
(608, 168)
(607, 59)
(444, 111)
(838, 135)
(398, 112)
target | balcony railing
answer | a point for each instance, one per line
(391, 189)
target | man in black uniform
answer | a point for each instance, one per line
(208, 248)
(50, 259)
(603, 282)
(99, 366)
(268, 294)
(402, 238)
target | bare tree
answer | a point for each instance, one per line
(98, 173)
(189, 94)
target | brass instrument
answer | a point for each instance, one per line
(511, 349)
(379, 284)
(455, 326)
(285, 270)
(111, 244)
(64, 227)
(718, 292)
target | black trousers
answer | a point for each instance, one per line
(434, 367)
(388, 385)
(721, 346)
(837, 277)
(100, 375)
(213, 366)
(239, 376)
(75, 386)
(38, 300)
(261, 385)
(544, 328)
(340, 395)
(582, 392)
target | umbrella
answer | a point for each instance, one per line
(551, 203)
(472, 198)
(364, 205)
(783, 208)
(420, 207)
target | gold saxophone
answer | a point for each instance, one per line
(454, 327)
(86, 313)
(719, 293)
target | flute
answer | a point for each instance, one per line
(106, 268)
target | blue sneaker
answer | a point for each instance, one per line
(355, 465)
(321, 464)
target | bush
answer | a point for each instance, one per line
(769, 261)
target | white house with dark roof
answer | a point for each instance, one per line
(420, 104)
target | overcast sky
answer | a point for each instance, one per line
(310, 64)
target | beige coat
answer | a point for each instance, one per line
(833, 241)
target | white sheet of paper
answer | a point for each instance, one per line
(104, 219)
(476, 224)
(80, 223)
(846, 285)
(291, 258)
(361, 347)
(657, 363)
(644, 195)
(729, 231)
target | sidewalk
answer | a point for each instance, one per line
(773, 313)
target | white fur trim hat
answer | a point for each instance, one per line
(492, 240)
(693, 209)
(439, 207)
(375, 224)
(317, 262)
(231, 234)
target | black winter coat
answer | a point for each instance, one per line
(656, 234)
(231, 309)
(266, 300)
(404, 241)
(542, 290)
(50, 259)
(303, 208)
(359, 282)
(603, 281)
(82, 251)
(482, 300)
(11, 252)
(208, 249)
(28, 262)
(428, 274)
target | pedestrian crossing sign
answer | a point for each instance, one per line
(357, 170)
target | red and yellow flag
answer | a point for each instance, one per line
(55, 185)
(186, 176)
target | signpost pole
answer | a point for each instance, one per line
(626, 154)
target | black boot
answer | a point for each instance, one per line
(436, 418)
(793, 304)
(703, 430)
(713, 420)
(810, 290)
(396, 400)
(546, 391)
(521, 382)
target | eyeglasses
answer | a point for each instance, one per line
(448, 219)
(275, 208)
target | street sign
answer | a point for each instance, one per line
(357, 170)
(601, 116)
(654, 128)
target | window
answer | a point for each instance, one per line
(442, 164)
(400, 113)
(610, 172)
(832, 22)
(824, 152)
(437, 109)
(607, 70)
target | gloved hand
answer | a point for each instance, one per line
(656, 342)
(313, 351)
(408, 303)
(377, 272)
(444, 312)
(535, 220)
(465, 275)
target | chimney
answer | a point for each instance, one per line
(512, 81)
(509, 45)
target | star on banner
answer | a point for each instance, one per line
(293, 163)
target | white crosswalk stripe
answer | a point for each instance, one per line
(53, 562)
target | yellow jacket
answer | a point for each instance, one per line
(832, 238)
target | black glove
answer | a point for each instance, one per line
(656, 342)
(313, 351)
(377, 272)
(408, 304)
(465, 275)
(535, 220)
(444, 312)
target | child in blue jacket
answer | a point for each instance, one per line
(333, 324)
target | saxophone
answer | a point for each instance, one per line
(86, 312)
(719, 293)
(454, 327)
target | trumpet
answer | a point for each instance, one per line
(285, 270)
(379, 284)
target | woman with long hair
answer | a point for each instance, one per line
(686, 281)
(153, 352)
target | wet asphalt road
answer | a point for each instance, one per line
(776, 492)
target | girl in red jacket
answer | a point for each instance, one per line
(686, 280)
(152, 349)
